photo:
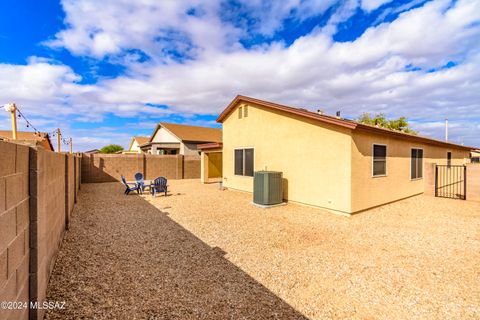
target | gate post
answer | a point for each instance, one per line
(464, 182)
(436, 180)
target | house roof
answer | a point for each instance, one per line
(140, 140)
(190, 133)
(93, 151)
(350, 124)
(28, 137)
(211, 145)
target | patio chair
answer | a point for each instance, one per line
(140, 181)
(159, 185)
(129, 188)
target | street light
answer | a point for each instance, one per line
(10, 107)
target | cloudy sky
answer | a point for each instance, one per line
(103, 71)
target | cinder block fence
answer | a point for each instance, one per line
(109, 167)
(38, 190)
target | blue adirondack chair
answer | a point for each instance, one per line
(129, 188)
(159, 185)
(140, 181)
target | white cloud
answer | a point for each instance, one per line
(370, 5)
(365, 75)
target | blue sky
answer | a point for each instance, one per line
(104, 71)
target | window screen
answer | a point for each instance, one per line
(379, 160)
(416, 164)
(248, 162)
(245, 111)
(240, 113)
(449, 158)
(239, 162)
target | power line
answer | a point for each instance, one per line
(65, 141)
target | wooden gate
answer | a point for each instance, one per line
(450, 181)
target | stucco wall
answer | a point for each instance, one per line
(162, 135)
(211, 166)
(314, 158)
(473, 182)
(368, 191)
(189, 149)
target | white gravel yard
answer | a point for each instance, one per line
(203, 253)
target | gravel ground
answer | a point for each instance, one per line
(202, 253)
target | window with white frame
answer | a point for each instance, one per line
(416, 164)
(244, 162)
(379, 160)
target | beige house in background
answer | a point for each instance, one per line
(29, 138)
(327, 162)
(475, 156)
(169, 138)
(134, 146)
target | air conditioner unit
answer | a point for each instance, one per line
(267, 188)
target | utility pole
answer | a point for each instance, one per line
(71, 146)
(58, 139)
(12, 108)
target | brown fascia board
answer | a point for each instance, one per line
(291, 110)
(340, 122)
(411, 137)
(213, 145)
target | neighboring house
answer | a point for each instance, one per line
(29, 138)
(327, 162)
(475, 156)
(93, 151)
(134, 145)
(169, 138)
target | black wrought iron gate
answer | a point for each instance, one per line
(450, 181)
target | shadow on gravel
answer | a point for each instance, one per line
(125, 259)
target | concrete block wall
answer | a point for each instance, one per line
(109, 168)
(14, 227)
(191, 167)
(47, 219)
(37, 192)
(69, 187)
(163, 166)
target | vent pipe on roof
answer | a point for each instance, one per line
(446, 130)
(338, 115)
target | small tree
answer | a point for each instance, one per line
(111, 148)
(379, 119)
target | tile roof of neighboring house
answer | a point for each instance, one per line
(26, 136)
(93, 151)
(191, 133)
(141, 140)
(350, 124)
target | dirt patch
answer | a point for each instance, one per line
(203, 253)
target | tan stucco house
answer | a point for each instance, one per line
(327, 162)
(29, 138)
(134, 146)
(170, 138)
